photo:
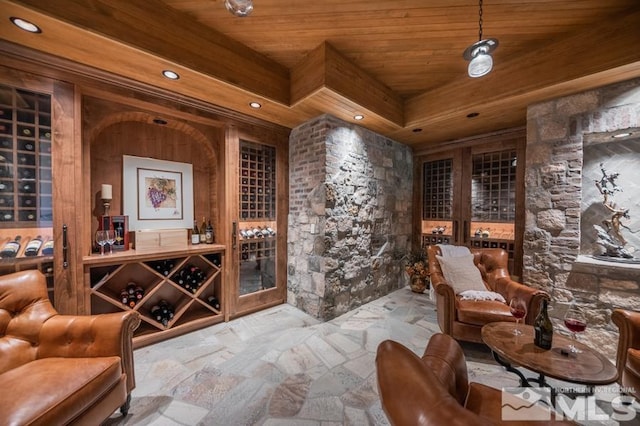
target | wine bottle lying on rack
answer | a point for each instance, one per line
(33, 246)
(11, 248)
(162, 312)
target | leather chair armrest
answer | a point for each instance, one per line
(446, 306)
(72, 336)
(628, 323)
(532, 296)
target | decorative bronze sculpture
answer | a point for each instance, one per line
(609, 235)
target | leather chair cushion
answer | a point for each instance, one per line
(481, 312)
(63, 387)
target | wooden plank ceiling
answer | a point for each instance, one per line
(399, 63)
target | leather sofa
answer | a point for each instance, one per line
(463, 319)
(628, 354)
(60, 369)
(434, 389)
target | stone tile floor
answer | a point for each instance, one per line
(281, 366)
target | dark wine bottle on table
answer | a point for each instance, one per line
(11, 248)
(33, 246)
(543, 328)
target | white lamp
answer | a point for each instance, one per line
(479, 53)
(240, 8)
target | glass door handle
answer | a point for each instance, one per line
(234, 235)
(65, 247)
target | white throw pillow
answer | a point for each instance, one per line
(461, 273)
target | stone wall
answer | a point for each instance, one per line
(556, 133)
(350, 199)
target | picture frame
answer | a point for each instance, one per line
(157, 194)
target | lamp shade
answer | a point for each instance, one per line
(239, 8)
(480, 65)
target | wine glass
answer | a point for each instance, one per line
(576, 322)
(111, 239)
(518, 309)
(101, 239)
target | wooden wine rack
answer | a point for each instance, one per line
(107, 275)
(25, 154)
(257, 182)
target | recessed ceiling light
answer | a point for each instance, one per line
(358, 117)
(473, 114)
(25, 25)
(621, 135)
(171, 75)
(255, 105)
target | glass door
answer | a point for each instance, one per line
(257, 227)
(26, 201)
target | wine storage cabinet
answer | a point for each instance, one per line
(159, 276)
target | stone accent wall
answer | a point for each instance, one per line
(350, 199)
(556, 132)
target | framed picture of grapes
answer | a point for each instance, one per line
(157, 194)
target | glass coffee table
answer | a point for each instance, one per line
(589, 367)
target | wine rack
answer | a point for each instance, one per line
(437, 196)
(25, 157)
(493, 193)
(257, 182)
(158, 276)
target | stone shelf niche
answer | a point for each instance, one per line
(567, 139)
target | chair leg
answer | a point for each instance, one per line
(124, 409)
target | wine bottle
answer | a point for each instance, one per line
(33, 246)
(11, 248)
(195, 234)
(209, 238)
(213, 302)
(47, 247)
(124, 296)
(543, 328)
(203, 230)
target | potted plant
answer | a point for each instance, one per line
(418, 271)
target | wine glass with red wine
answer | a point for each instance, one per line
(518, 309)
(576, 322)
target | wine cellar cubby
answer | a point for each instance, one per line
(25, 157)
(155, 285)
(257, 182)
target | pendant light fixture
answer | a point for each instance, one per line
(240, 8)
(479, 53)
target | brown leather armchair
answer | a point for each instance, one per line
(434, 389)
(463, 319)
(628, 355)
(60, 369)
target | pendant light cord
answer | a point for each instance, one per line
(480, 22)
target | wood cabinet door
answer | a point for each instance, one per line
(257, 188)
(473, 196)
(45, 179)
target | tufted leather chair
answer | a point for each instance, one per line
(60, 369)
(628, 355)
(463, 319)
(434, 389)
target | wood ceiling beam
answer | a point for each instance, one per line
(156, 29)
(601, 55)
(326, 69)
